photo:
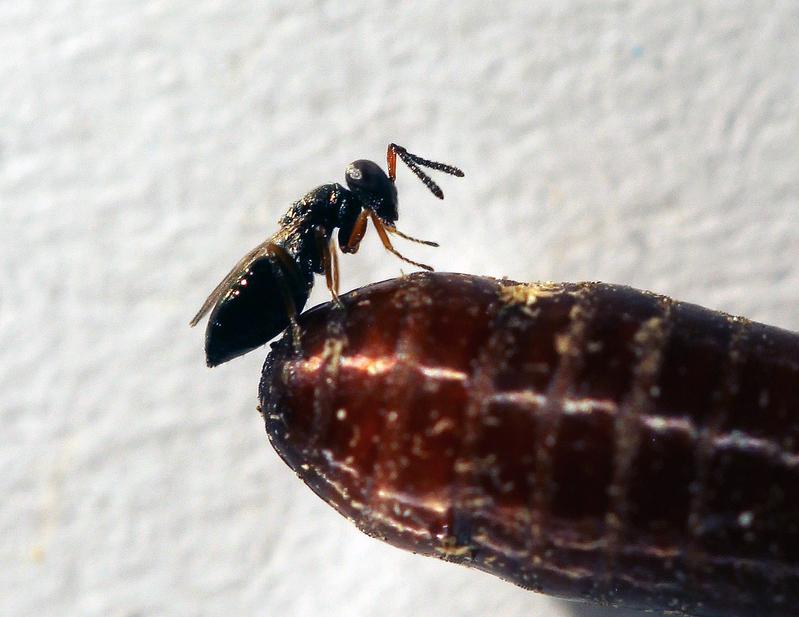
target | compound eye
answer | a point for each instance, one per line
(366, 176)
(354, 172)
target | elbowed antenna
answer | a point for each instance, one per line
(413, 161)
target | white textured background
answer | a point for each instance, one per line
(146, 145)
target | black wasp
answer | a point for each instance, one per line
(266, 289)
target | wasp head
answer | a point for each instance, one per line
(373, 187)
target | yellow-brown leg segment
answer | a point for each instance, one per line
(397, 232)
(381, 231)
(357, 233)
(329, 262)
(391, 162)
(334, 267)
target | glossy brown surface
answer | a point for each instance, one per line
(584, 440)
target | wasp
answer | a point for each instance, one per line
(270, 285)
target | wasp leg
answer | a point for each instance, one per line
(334, 267)
(397, 232)
(357, 233)
(284, 267)
(381, 231)
(327, 251)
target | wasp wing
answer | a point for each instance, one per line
(232, 276)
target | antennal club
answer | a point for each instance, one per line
(413, 161)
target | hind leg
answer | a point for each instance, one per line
(327, 251)
(287, 275)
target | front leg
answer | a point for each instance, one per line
(381, 229)
(352, 241)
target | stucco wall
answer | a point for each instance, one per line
(146, 145)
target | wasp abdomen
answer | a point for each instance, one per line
(585, 440)
(252, 311)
